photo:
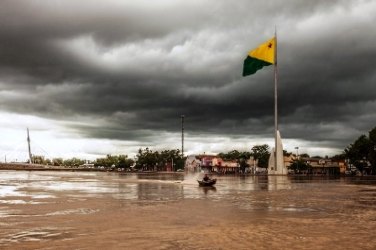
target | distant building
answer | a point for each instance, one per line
(323, 166)
(210, 163)
(87, 165)
(288, 160)
(206, 162)
(225, 167)
(192, 164)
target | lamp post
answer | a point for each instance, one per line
(297, 157)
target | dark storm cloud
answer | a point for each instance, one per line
(138, 66)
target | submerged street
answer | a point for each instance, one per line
(80, 210)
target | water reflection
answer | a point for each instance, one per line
(261, 208)
(33, 187)
(207, 190)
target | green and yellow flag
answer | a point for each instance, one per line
(259, 57)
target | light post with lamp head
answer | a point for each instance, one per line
(297, 158)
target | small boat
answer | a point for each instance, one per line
(208, 183)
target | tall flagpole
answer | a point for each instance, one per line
(275, 101)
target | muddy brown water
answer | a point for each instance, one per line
(79, 210)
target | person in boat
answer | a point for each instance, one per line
(206, 178)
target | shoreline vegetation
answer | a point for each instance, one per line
(359, 158)
(39, 167)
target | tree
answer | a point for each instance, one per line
(146, 159)
(37, 159)
(230, 156)
(124, 161)
(174, 156)
(239, 157)
(317, 157)
(372, 149)
(149, 160)
(339, 157)
(358, 152)
(111, 161)
(285, 153)
(235, 155)
(362, 153)
(243, 165)
(304, 155)
(57, 161)
(261, 153)
(299, 165)
(73, 162)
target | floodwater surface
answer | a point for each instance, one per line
(97, 210)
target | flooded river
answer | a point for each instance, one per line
(96, 210)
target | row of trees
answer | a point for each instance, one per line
(121, 161)
(155, 160)
(360, 154)
(147, 159)
(39, 159)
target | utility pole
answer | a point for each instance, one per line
(182, 136)
(28, 143)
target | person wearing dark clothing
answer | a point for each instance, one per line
(206, 178)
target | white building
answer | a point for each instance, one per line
(192, 164)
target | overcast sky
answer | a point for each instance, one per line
(90, 78)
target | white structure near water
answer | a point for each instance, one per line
(279, 168)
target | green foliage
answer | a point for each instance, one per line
(372, 149)
(285, 153)
(299, 165)
(243, 164)
(304, 155)
(37, 159)
(57, 161)
(114, 161)
(340, 157)
(73, 162)
(358, 152)
(154, 160)
(234, 155)
(262, 154)
(362, 153)
(124, 161)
